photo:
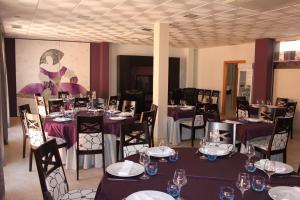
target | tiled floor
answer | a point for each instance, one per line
(24, 185)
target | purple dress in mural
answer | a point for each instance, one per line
(52, 80)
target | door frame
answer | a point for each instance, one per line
(225, 74)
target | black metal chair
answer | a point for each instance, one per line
(53, 181)
(215, 97)
(113, 101)
(278, 141)
(219, 132)
(54, 105)
(149, 117)
(62, 94)
(81, 102)
(206, 97)
(211, 116)
(200, 95)
(37, 135)
(281, 102)
(196, 123)
(90, 138)
(134, 138)
(242, 109)
(41, 105)
(290, 112)
(23, 109)
(129, 106)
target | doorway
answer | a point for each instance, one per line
(230, 83)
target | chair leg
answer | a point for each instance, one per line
(284, 156)
(291, 126)
(24, 146)
(193, 136)
(30, 160)
(77, 166)
(180, 128)
(118, 149)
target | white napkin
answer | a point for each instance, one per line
(292, 194)
(215, 150)
(156, 151)
(126, 167)
(125, 114)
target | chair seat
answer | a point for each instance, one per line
(133, 149)
(88, 194)
(59, 141)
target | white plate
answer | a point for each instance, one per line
(125, 114)
(284, 193)
(117, 118)
(149, 195)
(136, 169)
(231, 122)
(172, 106)
(159, 152)
(249, 119)
(55, 114)
(220, 150)
(281, 168)
(62, 119)
(186, 108)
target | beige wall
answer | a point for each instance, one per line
(209, 72)
(139, 50)
(288, 88)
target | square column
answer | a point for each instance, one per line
(160, 77)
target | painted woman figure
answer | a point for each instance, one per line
(51, 75)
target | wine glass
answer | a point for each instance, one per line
(250, 151)
(180, 180)
(172, 102)
(144, 160)
(269, 169)
(243, 183)
(202, 144)
(162, 146)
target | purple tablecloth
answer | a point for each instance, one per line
(67, 130)
(177, 113)
(204, 178)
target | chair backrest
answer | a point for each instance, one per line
(129, 106)
(291, 109)
(281, 102)
(206, 96)
(189, 95)
(242, 108)
(211, 116)
(41, 105)
(50, 170)
(54, 105)
(279, 138)
(35, 129)
(149, 118)
(80, 102)
(221, 132)
(134, 134)
(267, 113)
(200, 95)
(215, 96)
(63, 94)
(90, 133)
(113, 101)
(23, 109)
(198, 117)
(242, 98)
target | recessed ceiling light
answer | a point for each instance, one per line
(191, 16)
(146, 29)
(83, 17)
(16, 26)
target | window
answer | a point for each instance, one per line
(289, 50)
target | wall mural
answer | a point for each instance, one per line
(51, 72)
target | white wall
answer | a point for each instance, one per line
(139, 50)
(288, 88)
(211, 61)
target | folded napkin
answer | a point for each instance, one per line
(292, 194)
(157, 151)
(214, 150)
(126, 167)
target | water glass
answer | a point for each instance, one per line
(211, 157)
(173, 189)
(250, 166)
(152, 168)
(258, 183)
(202, 144)
(174, 157)
(227, 193)
(172, 102)
(180, 179)
(269, 169)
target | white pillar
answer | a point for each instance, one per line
(160, 77)
(190, 65)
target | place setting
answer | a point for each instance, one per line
(212, 150)
(162, 152)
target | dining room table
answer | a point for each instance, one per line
(204, 178)
(67, 129)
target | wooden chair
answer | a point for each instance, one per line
(206, 97)
(196, 123)
(267, 113)
(53, 181)
(54, 105)
(219, 132)
(23, 109)
(113, 101)
(134, 138)
(62, 94)
(281, 102)
(81, 102)
(211, 116)
(37, 135)
(278, 141)
(215, 97)
(129, 106)
(90, 138)
(242, 108)
(149, 118)
(41, 106)
(200, 95)
(290, 112)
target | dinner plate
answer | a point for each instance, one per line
(249, 119)
(281, 168)
(160, 152)
(62, 119)
(55, 114)
(218, 150)
(117, 118)
(149, 195)
(284, 193)
(135, 169)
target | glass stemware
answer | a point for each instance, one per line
(180, 180)
(269, 169)
(250, 151)
(202, 144)
(243, 183)
(162, 146)
(144, 160)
